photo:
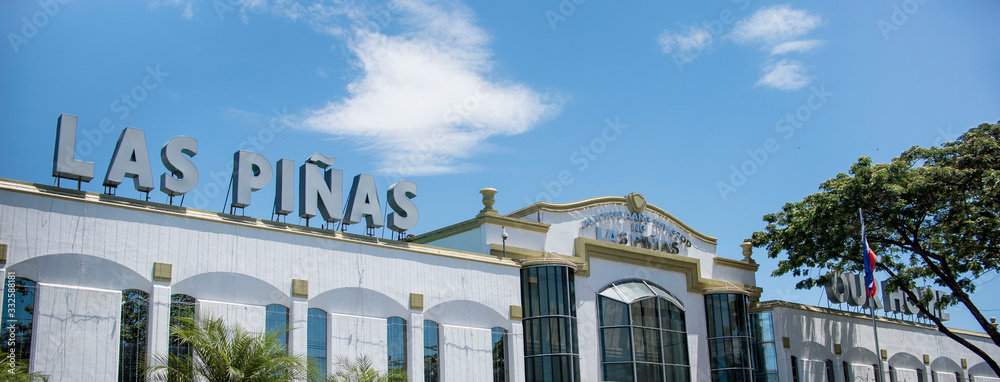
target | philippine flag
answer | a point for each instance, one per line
(870, 260)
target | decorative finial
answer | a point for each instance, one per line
(747, 252)
(488, 200)
(993, 321)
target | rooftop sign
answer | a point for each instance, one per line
(850, 288)
(320, 190)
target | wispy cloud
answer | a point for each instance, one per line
(774, 25)
(686, 45)
(427, 98)
(784, 75)
(186, 6)
(777, 30)
(801, 46)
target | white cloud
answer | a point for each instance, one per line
(427, 98)
(686, 45)
(784, 75)
(801, 46)
(774, 25)
(187, 6)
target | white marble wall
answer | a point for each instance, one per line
(250, 317)
(233, 270)
(76, 333)
(466, 354)
(354, 336)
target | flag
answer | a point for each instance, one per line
(870, 260)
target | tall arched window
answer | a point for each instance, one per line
(276, 321)
(181, 306)
(316, 343)
(499, 355)
(431, 353)
(728, 337)
(21, 292)
(551, 350)
(643, 333)
(397, 343)
(134, 321)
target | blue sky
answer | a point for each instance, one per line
(718, 112)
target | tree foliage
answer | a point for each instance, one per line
(361, 370)
(20, 373)
(227, 353)
(931, 215)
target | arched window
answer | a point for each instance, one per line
(499, 355)
(21, 292)
(276, 321)
(316, 343)
(643, 333)
(795, 369)
(134, 321)
(829, 371)
(431, 354)
(551, 350)
(181, 306)
(397, 343)
(728, 337)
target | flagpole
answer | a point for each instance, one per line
(871, 306)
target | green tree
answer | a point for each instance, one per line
(227, 353)
(20, 374)
(361, 370)
(932, 215)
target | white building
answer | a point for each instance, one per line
(610, 288)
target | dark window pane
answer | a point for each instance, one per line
(617, 345)
(647, 345)
(618, 372)
(431, 354)
(613, 313)
(397, 343)
(644, 313)
(648, 372)
(316, 329)
(134, 321)
(276, 320)
(499, 355)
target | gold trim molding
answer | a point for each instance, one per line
(476, 222)
(606, 200)
(591, 248)
(741, 265)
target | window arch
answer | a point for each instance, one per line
(316, 343)
(276, 320)
(499, 354)
(181, 306)
(134, 323)
(397, 343)
(431, 352)
(643, 333)
(22, 292)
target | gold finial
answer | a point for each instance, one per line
(747, 252)
(488, 200)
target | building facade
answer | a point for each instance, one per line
(605, 289)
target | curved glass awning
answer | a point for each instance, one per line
(629, 291)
